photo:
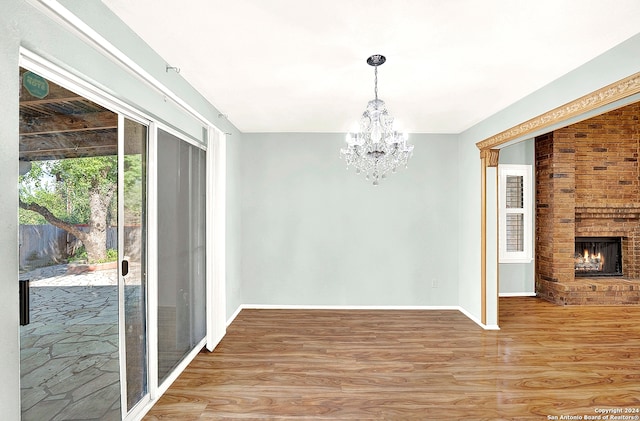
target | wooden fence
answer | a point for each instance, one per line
(42, 245)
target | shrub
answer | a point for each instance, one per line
(112, 255)
(80, 255)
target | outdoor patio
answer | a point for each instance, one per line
(69, 350)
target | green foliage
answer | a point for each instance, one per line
(63, 187)
(112, 255)
(134, 187)
(81, 191)
(80, 254)
(26, 217)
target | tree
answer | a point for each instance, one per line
(74, 191)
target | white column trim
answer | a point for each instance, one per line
(216, 238)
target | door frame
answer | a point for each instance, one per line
(216, 142)
(216, 318)
(67, 80)
(122, 326)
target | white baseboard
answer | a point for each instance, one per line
(517, 294)
(342, 307)
(477, 321)
(235, 314)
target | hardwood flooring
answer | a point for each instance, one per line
(546, 361)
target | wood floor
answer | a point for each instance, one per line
(546, 361)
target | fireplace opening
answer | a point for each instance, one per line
(598, 256)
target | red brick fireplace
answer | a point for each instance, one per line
(587, 185)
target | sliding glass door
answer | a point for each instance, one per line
(106, 315)
(181, 250)
(82, 243)
(132, 232)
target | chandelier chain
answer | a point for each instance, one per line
(376, 81)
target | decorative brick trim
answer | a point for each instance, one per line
(623, 213)
(607, 95)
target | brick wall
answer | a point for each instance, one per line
(606, 165)
(587, 184)
(555, 207)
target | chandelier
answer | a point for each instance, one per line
(377, 146)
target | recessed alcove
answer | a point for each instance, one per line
(587, 186)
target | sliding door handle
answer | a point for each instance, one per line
(124, 267)
(24, 302)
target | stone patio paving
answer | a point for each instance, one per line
(69, 350)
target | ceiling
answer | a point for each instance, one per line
(300, 66)
(62, 124)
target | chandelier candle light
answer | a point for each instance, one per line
(379, 146)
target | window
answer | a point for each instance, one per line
(181, 251)
(515, 238)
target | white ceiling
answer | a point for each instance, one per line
(300, 66)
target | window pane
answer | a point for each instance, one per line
(181, 250)
(515, 232)
(514, 191)
(135, 285)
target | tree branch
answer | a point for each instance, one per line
(53, 220)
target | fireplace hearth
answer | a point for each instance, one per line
(598, 256)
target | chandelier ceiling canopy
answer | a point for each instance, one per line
(377, 146)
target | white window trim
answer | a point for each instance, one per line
(525, 256)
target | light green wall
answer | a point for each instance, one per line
(521, 153)
(314, 233)
(9, 320)
(469, 284)
(233, 224)
(518, 278)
